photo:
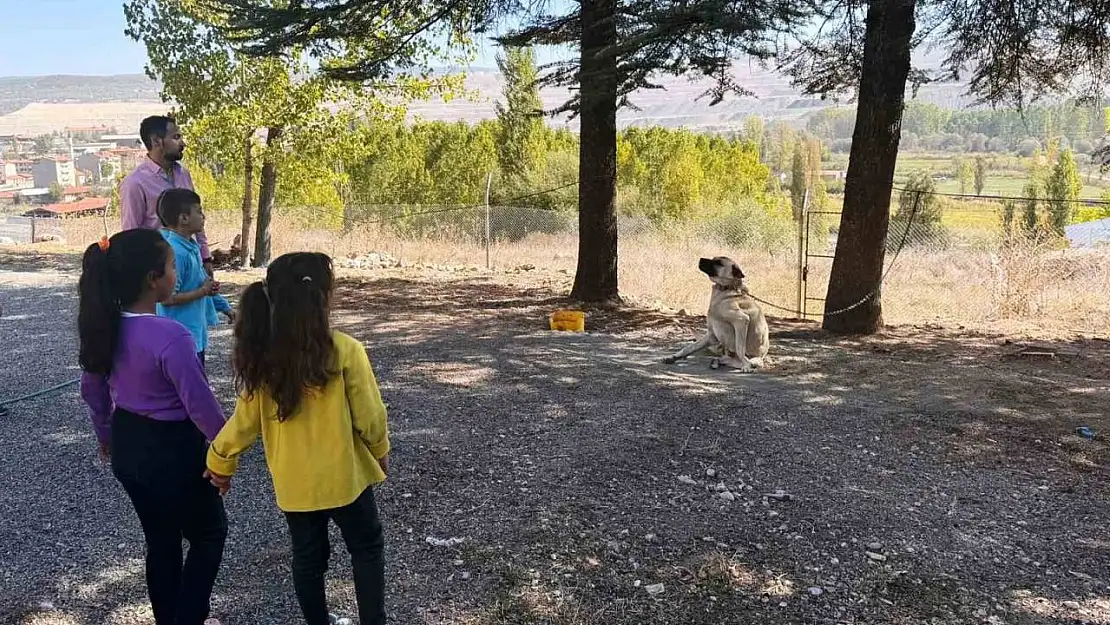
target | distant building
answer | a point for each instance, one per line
(23, 166)
(80, 208)
(1089, 233)
(19, 181)
(57, 170)
(102, 165)
(123, 141)
(129, 158)
(32, 196)
(7, 170)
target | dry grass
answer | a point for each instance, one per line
(1020, 288)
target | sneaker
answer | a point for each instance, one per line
(340, 620)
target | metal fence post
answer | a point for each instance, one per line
(489, 182)
(33, 223)
(802, 228)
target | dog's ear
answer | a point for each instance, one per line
(736, 273)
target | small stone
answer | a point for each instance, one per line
(655, 589)
(457, 563)
(780, 495)
(834, 561)
(720, 487)
(464, 575)
(877, 557)
(1072, 605)
(711, 472)
(651, 538)
(727, 496)
(636, 584)
(686, 479)
(981, 613)
(815, 591)
(46, 606)
(875, 546)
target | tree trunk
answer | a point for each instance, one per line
(248, 200)
(857, 269)
(266, 193)
(595, 279)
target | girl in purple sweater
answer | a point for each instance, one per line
(152, 410)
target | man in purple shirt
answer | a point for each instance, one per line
(161, 170)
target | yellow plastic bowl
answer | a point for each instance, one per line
(568, 321)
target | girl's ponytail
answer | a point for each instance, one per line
(115, 273)
(252, 337)
(98, 316)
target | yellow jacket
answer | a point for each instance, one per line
(325, 455)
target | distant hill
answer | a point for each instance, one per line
(18, 92)
(40, 105)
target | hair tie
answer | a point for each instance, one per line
(104, 243)
(306, 279)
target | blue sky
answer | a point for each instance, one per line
(83, 37)
(66, 37)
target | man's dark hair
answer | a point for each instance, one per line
(173, 203)
(155, 126)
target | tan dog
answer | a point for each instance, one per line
(737, 328)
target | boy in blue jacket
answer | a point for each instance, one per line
(196, 298)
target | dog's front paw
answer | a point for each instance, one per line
(668, 360)
(715, 363)
(745, 367)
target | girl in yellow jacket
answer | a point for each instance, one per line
(310, 392)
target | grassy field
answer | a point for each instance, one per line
(970, 282)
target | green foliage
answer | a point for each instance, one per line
(1009, 211)
(1062, 190)
(918, 218)
(798, 181)
(930, 127)
(56, 192)
(1030, 220)
(521, 143)
(980, 174)
(965, 174)
(224, 97)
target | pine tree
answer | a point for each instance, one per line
(520, 144)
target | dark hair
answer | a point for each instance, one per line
(155, 126)
(283, 341)
(173, 203)
(111, 280)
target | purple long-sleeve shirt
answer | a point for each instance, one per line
(138, 197)
(156, 374)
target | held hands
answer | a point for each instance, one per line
(383, 462)
(221, 482)
(104, 451)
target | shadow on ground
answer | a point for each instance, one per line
(917, 477)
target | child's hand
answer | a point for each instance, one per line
(383, 462)
(221, 482)
(214, 289)
(105, 452)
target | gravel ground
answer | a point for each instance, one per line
(918, 477)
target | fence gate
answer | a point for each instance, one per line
(814, 244)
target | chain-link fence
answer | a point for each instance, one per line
(986, 262)
(996, 263)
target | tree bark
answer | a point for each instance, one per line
(857, 268)
(595, 279)
(248, 200)
(266, 193)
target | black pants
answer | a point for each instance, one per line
(362, 532)
(161, 465)
(200, 355)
